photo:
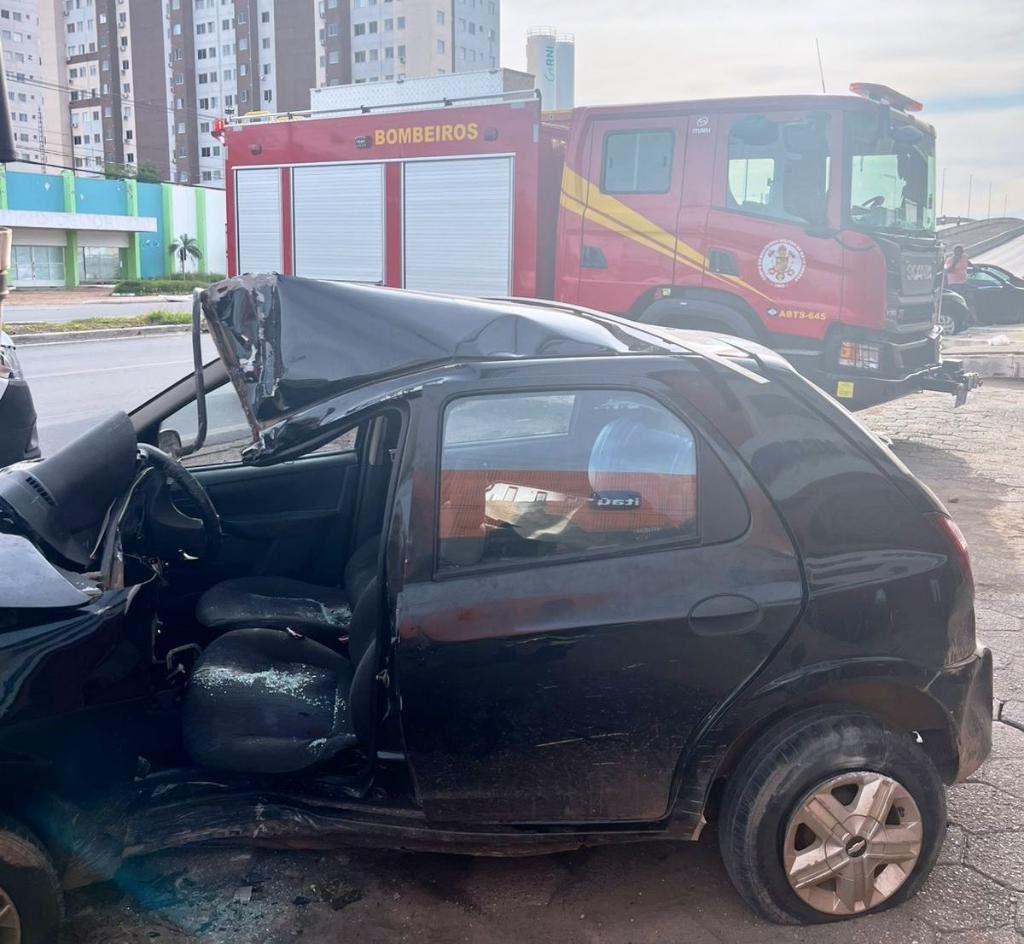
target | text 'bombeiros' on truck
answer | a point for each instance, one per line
(805, 222)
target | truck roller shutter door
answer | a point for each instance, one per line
(258, 202)
(458, 226)
(339, 222)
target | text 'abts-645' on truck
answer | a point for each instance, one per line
(805, 222)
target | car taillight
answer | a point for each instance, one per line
(957, 544)
(864, 356)
(961, 628)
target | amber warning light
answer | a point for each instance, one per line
(885, 96)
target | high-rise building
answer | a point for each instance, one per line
(415, 38)
(33, 63)
(113, 55)
(110, 85)
(149, 77)
(231, 57)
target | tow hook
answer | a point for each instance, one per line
(952, 378)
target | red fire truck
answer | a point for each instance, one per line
(805, 222)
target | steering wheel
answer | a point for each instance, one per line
(171, 468)
(874, 202)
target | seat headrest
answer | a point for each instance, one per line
(626, 445)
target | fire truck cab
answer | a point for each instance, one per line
(805, 222)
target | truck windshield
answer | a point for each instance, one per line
(892, 175)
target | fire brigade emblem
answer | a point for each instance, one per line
(782, 262)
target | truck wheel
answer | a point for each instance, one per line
(31, 900)
(696, 319)
(830, 815)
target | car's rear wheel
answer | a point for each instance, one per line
(829, 815)
(31, 900)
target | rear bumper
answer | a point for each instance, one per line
(905, 366)
(965, 693)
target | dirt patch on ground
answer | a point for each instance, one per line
(58, 296)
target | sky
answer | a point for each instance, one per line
(964, 61)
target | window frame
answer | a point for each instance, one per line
(773, 217)
(637, 131)
(156, 425)
(440, 573)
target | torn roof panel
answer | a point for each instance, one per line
(289, 342)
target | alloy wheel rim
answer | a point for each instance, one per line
(10, 920)
(851, 842)
(947, 324)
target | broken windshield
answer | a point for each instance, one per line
(892, 175)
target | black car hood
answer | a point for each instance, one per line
(289, 342)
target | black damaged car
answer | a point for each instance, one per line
(482, 577)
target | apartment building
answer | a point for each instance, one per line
(34, 66)
(125, 83)
(113, 63)
(231, 57)
(395, 39)
(148, 78)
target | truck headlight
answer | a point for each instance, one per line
(864, 356)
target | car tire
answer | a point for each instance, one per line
(786, 780)
(29, 885)
(949, 323)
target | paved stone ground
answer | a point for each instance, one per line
(643, 895)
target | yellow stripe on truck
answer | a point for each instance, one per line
(585, 200)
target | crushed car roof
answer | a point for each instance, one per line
(288, 342)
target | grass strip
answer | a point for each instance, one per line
(158, 317)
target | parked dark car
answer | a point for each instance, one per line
(954, 312)
(18, 438)
(995, 294)
(500, 578)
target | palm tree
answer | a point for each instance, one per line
(183, 247)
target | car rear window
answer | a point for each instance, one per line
(526, 476)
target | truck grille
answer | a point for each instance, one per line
(917, 356)
(916, 314)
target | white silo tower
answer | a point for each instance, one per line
(541, 57)
(565, 72)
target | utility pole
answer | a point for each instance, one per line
(1005, 197)
(970, 190)
(942, 194)
(989, 201)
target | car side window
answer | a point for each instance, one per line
(227, 431)
(527, 476)
(637, 162)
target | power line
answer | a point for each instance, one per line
(151, 104)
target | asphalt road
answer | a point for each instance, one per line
(30, 314)
(76, 383)
(1010, 256)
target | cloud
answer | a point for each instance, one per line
(966, 58)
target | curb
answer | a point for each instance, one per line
(994, 366)
(97, 334)
(135, 299)
(104, 300)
